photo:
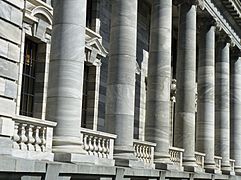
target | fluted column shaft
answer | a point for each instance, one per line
(222, 103)
(235, 115)
(121, 74)
(66, 73)
(184, 136)
(159, 78)
(206, 98)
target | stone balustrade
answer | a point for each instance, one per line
(218, 162)
(176, 155)
(98, 144)
(32, 138)
(144, 151)
(200, 159)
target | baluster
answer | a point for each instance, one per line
(104, 148)
(37, 139)
(174, 156)
(149, 154)
(42, 135)
(177, 157)
(91, 147)
(108, 148)
(23, 138)
(137, 151)
(85, 143)
(144, 154)
(31, 140)
(170, 153)
(95, 150)
(141, 153)
(16, 136)
(100, 149)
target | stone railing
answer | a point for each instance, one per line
(232, 164)
(200, 159)
(144, 151)
(32, 137)
(218, 162)
(98, 144)
(176, 155)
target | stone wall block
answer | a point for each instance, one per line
(10, 13)
(8, 69)
(10, 32)
(6, 126)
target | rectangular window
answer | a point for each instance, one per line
(28, 78)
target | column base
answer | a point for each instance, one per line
(124, 156)
(210, 167)
(163, 158)
(237, 170)
(226, 169)
(65, 144)
(190, 165)
(162, 161)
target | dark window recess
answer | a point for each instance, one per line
(85, 96)
(28, 78)
(89, 14)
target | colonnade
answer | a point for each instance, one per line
(213, 81)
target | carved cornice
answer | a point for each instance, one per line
(222, 23)
(234, 8)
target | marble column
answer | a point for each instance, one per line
(222, 104)
(184, 136)
(235, 115)
(64, 98)
(206, 97)
(159, 78)
(121, 76)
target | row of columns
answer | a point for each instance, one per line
(213, 118)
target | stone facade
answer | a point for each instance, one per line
(120, 89)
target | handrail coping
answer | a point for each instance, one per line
(176, 149)
(137, 141)
(34, 121)
(199, 153)
(98, 133)
(218, 157)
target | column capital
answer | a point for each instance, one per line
(206, 22)
(235, 52)
(225, 38)
(198, 3)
